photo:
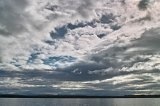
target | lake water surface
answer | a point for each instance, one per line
(79, 102)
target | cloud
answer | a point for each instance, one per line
(21, 17)
(85, 46)
(14, 18)
(143, 4)
(30, 20)
(130, 67)
(85, 7)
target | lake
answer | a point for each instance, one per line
(80, 102)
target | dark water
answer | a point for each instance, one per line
(79, 102)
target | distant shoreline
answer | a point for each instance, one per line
(76, 96)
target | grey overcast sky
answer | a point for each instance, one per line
(80, 47)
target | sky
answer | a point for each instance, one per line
(80, 47)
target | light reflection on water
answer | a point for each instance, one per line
(79, 102)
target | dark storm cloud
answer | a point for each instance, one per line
(15, 19)
(150, 39)
(111, 68)
(107, 18)
(118, 61)
(12, 16)
(143, 4)
(104, 64)
(85, 7)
